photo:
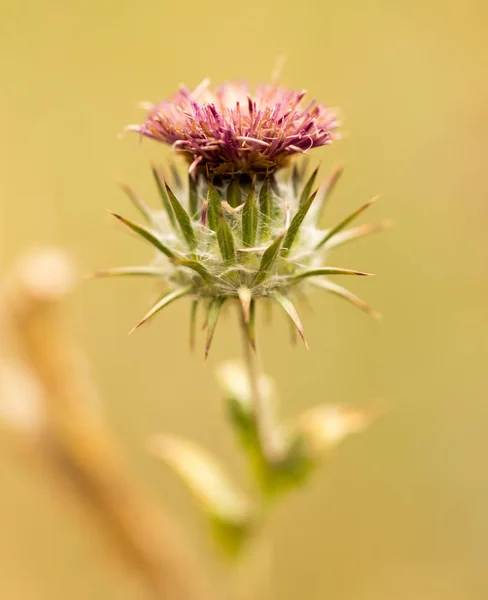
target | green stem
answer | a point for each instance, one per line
(269, 439)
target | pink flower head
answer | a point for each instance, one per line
(231, 132)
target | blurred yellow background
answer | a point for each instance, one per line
(400, 511)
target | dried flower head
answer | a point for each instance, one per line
(229, 131)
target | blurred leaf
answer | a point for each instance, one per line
(183, 219)
(323, 427)
(226, 507)
(277, 476)
(164, 197)
(148, 234)
(326, 191)
(141, 206)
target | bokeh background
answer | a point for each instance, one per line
(400, 511)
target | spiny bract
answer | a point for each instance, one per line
(242, 238)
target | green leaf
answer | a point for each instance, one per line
(234, 196)
(225, 239)
(196, 266)
(307, 188)
(327, 190)
(143, 271)
(214, 207)
(192, 196)
(164, 197)
(164, 301)
(342, 292)
(328, 271)
(212, 318)
(288, 306)
(193, 323)
(183, 219)
(296, 224)
(250, 218)
(268, 260)
(344, 223)
(148, 234)
(228, 510)
(141, 206)
(265, 200)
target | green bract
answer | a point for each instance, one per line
(242, 240)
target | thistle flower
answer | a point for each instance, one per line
(229, 132)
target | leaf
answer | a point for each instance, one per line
(234, 196)
(250, 217)
(225, 239)
(164, 301)
(196, 266)
(327, 189)
(212, 318)
(141, 206)
(193, 323)
(344, 293)
(344, 223)
(268, 260)
(164, 197)
(328, 271)
(288, 306)
(214, 207)
(265, 199)
(323, 427)
(296, 224)
(192, 196)
(144, 271)
(224, 504)
(307, 188)
(355, 233)
(183, 219)
(148, 234)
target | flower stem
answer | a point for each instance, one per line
(269, 439)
